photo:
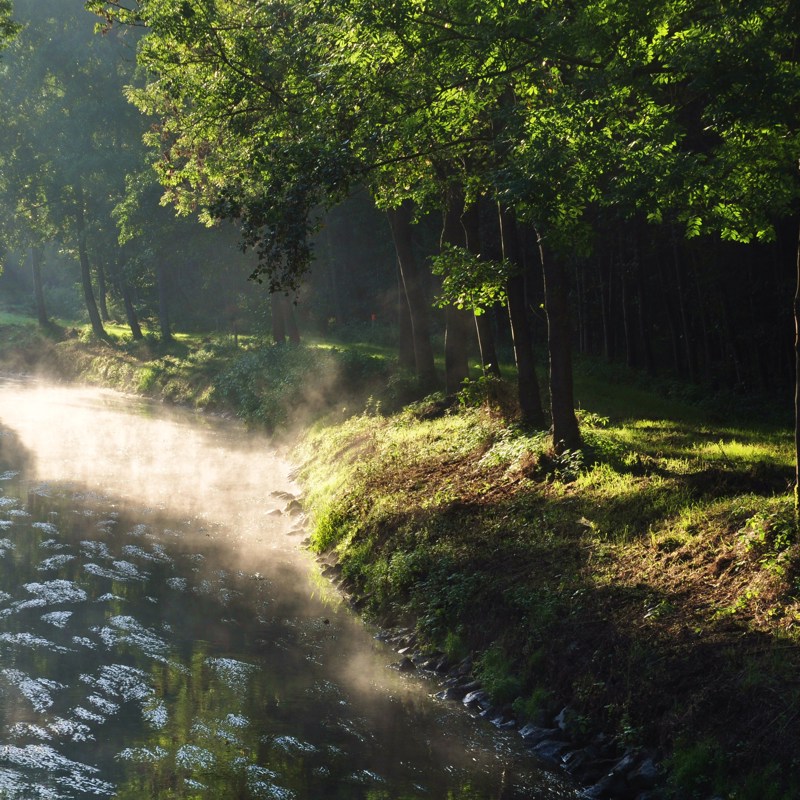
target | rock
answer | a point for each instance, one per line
(406, 665)
(532, 734)
(504, 723)
(472, 698)
(645, 776)
(551, 750)
(451, 693)
(293, 508)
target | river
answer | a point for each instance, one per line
(163, 633)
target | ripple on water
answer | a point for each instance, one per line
(47, 527)
(57, 618)
(57, 591)
(128, 630)
(38, 691)
(54, 562)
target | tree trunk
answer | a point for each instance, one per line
(86, 272)
(277, 318)
(797, 387)
(413, 286)
(38, 289)
(530, 400)
(118, 280)
(483, 328)
(457, 320)
(163, 305)
(405, 343)
(566, 435)
(130, 311)
(291, 321)
(102, 292)
(688, 347)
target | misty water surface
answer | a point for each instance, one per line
(163, 633)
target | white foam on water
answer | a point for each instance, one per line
(7, 502)
(8, 475)
(19, 513)
(84, 642)
(5, 524)
(6, 544)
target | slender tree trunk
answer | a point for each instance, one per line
(291, 320)
(130, 311)
(566, 435)
(163, 305)
(277, 318)
(405, 332)
(647, 350)
(688, 348)
(457, 320)
(118, 280)
(102, 292)
(483, 327)
(797, 387)
(86, 272)
(38, 289)
(413, 286)
(530, 400)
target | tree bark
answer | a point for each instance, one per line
(102, 292)
(457, 320)
(277, 318)
(566, 435)
(38, 289)
(405, 345)
(130, 311)
(163, 304)
(291, 321)
(530, 400)
(486, 343)
(797, 387)
(86, 273)
(413, 286)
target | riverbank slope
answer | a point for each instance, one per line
(649, 584)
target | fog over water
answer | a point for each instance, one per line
(164, 634)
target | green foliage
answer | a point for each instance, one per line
(496, 675)
(280, 386)
(469, 281)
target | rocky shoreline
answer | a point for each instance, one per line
(596, 761)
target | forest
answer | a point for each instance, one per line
(495, 191)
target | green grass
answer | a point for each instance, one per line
(653, 582)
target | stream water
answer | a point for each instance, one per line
(164, 635)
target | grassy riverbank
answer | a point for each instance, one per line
(650, 583)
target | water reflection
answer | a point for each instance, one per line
(159, 637)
